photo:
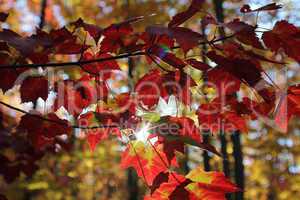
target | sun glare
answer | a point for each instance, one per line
(142, 132)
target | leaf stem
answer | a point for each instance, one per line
(139, 162)
(161, 67)
(163, 161)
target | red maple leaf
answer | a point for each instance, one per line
(250, 73)
(64, 42)
(148, 88)
(186, 128)
(126, 103)
(178, 83)
(198, 64)
(102, 69)
(39, 46)
(283, 36)
(42, 133)
(94, 30)
(224, 82)
(245, 33)
(209, 185)
(30, 93)
(94, 123)
(154, 85)
(74, 96)
(289, 105)
(175, 187)
(186, 38)
(256, 109)
(171, 188)
(215, 117)
(181, 17)
(156, 39)
(94, 138)
(115, 37)
(166, 56)
(147, 161)
(8, 78)
(175, 132)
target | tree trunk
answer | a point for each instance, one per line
(42, 14)
(132, 182)
(132, 178)
(186, 167)
(238, 164)
(218, 6)
(205, 155)
(237, 147)
(226, 168)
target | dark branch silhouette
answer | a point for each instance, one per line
(82, 62)
(54, 121)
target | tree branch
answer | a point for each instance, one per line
(57, 122)
(82, 62)
(68, 64)
(42, 14)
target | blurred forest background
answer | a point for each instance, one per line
(271, 160)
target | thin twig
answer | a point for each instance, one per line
(77, 63)
(54, 121)
(68, 64)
